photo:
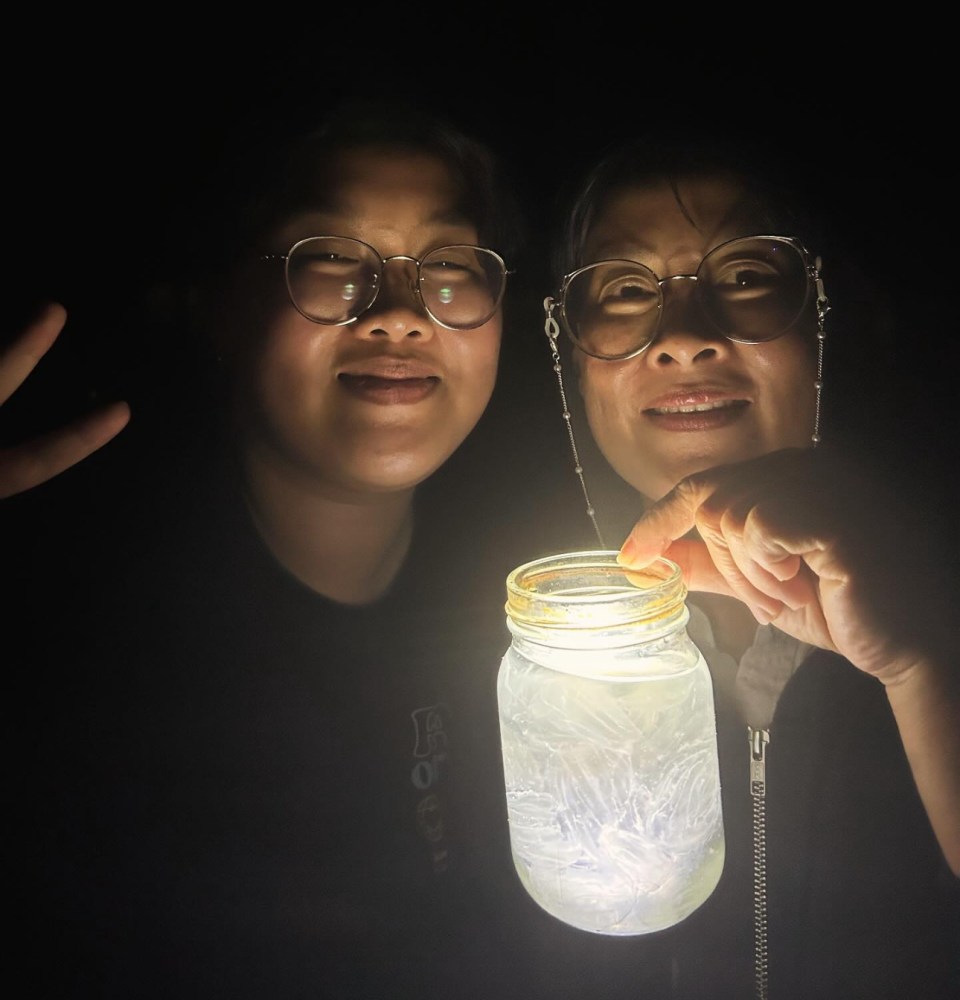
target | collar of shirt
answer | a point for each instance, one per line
(763, 670)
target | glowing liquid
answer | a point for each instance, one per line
(613, 787)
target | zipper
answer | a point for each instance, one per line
(759, 738)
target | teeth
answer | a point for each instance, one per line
(698, 408)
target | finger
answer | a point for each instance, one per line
(676, 513)
(782, 555)
(763, 565)
(21, 357)
(665, 521)
(762, 589)
(712, 567)
(25, 466)
(722, 536)
(697, 567)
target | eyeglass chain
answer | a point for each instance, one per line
(552, 329)
(758, 738)
(823, 307)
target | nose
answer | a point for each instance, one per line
(397, 312)
(685, 337)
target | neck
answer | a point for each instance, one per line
(348, 547)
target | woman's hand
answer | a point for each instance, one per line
(808, 543)
(27, 465)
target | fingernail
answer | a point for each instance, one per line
(767, 613)
(628, 553)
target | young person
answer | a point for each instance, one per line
(250, 676)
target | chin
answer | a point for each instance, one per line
(395, 477)
(655, 484)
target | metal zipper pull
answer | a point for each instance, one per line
(759, 738)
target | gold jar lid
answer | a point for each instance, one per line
(591, 591)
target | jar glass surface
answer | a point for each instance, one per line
(608, 735)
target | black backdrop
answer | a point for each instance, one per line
(114, 131)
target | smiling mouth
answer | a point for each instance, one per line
(363, 379)
(721, 404)
(697, 417)
(387, 390)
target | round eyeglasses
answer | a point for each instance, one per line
(334, 280)
(752, 290)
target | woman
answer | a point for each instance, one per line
(250, 717)
(696, 303)
(359, 329)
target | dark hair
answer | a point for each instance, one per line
(270, 181)
(774, 188)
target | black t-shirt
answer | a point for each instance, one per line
(227, 785)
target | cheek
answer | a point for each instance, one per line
(606, 400)
(476, 361)
(790, 375)
(291, 359)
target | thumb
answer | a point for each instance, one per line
(668, 519)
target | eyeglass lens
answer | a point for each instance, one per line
(752, 290)
(334, 280)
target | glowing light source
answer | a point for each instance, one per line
(608, 735)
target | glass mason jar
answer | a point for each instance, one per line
(609, 743)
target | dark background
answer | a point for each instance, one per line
(115, 145)
(115, 136)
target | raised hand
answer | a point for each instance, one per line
(26, 465)
(830, 558)
(807, 543)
